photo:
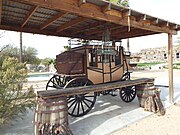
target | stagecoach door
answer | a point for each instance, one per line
(106, 67)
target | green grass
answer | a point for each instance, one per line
(176, 64)
(146, 64)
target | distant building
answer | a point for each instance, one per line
(159, 54)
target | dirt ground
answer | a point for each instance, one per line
(156, 125)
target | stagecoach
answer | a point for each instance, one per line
(89, 64)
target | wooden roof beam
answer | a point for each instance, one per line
(155, 22)
(123, 29)
(33, 30)
(143, 19)
(81, 2)
(0, 10)
(106, 8)
(176, 27)
(71, 23)
(100, 30)
(133, 33)
(90, 26)
(28, 16)
(93, 11)
(53, 19)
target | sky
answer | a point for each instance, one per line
(50, 46)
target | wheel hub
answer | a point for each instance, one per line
(79, 98)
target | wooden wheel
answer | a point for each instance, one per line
(56, 82)
(126, 76)
(127, 94)
(79, 105)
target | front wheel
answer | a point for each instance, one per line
(79, 105)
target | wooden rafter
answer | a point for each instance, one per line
(28, 16)
(90, 26)
(50, 21)
(0, 10)
(71, 23)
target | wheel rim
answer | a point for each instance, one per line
(57, 82)
(79, 105)
(127, 94)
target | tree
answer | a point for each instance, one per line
(67, 48)
(47, 62)
(29, 53)
(178, 41)
(13, 100)
(124, 3)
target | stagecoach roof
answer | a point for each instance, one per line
(85, 19)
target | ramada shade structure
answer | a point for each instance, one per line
(84, 19)
(79, 19)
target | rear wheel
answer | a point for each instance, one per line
(127, 94)
(57, 82)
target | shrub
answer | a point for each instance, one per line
(14, 101)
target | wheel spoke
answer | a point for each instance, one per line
(69, 101)
(82, 106)
(78, 108)
(71, 104)
(54, 84)
(56, 79)
(74, 108)
(86, 104)
(86, 83)
(88, 100)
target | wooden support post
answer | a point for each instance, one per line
(128, 47)
(170, 68)
(0, 10)
(20, 55)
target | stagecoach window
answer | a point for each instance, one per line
(92, 60)
(113, 58)
(117, 60)
(106, 58)
(99, 59)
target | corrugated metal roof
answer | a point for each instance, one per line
(43, 19)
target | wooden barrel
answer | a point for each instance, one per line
(145, 90)
(51, 116)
